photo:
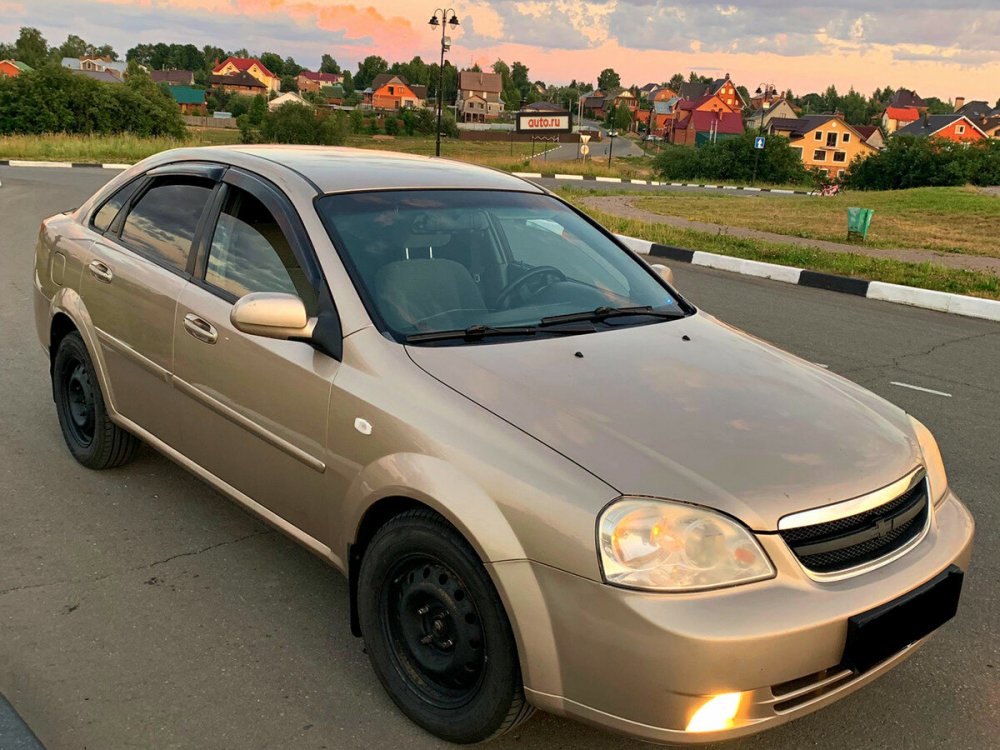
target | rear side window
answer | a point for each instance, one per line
(108, 212)
(162, 224)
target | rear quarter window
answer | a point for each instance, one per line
(106, 214)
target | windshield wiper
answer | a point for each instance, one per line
(479, 331)
(601, 313)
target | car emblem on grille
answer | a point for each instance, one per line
(882, 527)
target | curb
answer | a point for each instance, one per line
(654, 183)
(60, 164)
(955, 304)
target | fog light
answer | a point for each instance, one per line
(718, 713)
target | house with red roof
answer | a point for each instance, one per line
(233, 66)
(309, 81)
(895, 118)
(709, 115)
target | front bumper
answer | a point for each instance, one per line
(643, 663)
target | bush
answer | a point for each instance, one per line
(297, 123)
(733, 160)
(53, 100)
(910, 162)
(391, 126)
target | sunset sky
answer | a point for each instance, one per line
(943, 48)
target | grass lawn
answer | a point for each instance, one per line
(959, 220)
(923, 275)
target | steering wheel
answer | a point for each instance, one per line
(503, 298)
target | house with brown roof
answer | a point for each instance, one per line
(234, 66)
(479, 96)
(781, 108)
(906, 98)
(724, 88)
(173, 77)
(872, 135)
(391, 91)
(238, 83)
(307, 80)
(826, 143)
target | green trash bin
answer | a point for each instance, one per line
(858, 221)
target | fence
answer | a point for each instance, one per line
(210, 122)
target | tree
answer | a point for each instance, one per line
(211, 56)
(608, 80)
(619, 118)
(291, 68)
(831, 99)
(519, 77)
(31, 47)
(328, 65)
(273, 62)
(675, 82)
(855, 108)
(937, 107)
(74, 46)
(368, 68)
(348, 83)
(476, 69)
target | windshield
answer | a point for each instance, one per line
(488, 262)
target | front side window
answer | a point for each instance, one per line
(443, 260)
(161, 225)
(250, 252)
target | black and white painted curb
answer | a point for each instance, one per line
(654, 183)
(957, 304)
(60, 164)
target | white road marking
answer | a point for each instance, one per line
(918, 388)
(825, 367)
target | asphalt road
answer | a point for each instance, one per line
(138, 608)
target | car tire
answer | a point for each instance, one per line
(437, 633)
(93, 439)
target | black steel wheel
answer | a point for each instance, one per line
(93, 439)
(436, 631)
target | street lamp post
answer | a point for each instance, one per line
(611, 144)
(444, 23)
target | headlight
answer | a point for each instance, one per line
(663, 546)
(937, 480)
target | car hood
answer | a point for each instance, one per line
(690, 410)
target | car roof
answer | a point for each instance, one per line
(336, 169)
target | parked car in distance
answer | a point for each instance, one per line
(550, 480)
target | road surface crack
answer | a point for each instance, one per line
(97, 579)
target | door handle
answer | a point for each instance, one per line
(200, 328)
(101, 271)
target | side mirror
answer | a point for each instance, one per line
(274, 315)
(664, 272)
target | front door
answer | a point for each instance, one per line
(257, 410)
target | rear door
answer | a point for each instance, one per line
(257, 408)
(132, 278)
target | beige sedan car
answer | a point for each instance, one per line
(550, 480)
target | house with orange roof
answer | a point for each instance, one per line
(391, 91)
(955, 128)
(307, 80)
(233, 66)
(895, 118)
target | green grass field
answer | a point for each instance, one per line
(923, 275)
(957, 220)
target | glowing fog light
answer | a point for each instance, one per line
(718, 713)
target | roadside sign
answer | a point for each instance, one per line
(584, 149)
(758, 142)
(584, 138)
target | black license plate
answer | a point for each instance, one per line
(875, 635)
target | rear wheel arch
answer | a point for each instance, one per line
(61, 326)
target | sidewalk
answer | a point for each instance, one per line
(621, 205)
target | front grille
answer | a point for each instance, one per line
(862, 538)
